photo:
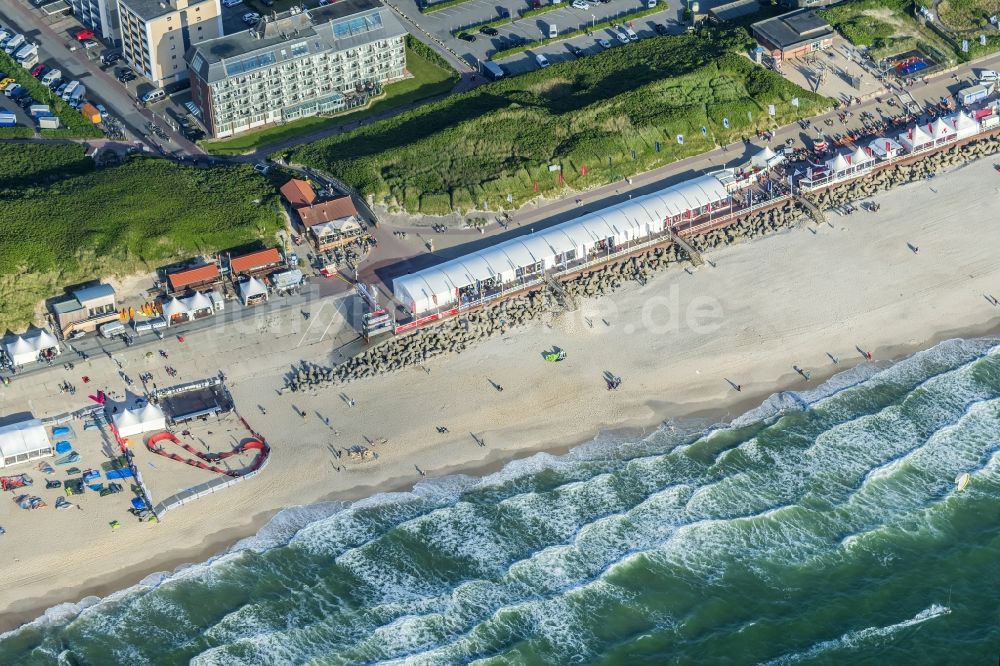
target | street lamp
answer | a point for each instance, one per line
(593, 20)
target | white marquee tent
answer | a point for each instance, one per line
(766, 158)
(964, 125)
(27, 348)
(438, 286)
(915, 139)
(130, 422)
(23, 441)
(884, 148)
(250, 289)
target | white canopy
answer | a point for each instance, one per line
(198, 302)
(344, 225)
(838, 164)
(287, 279)
(174, 307)
(637, 218)
(766, 158)
(23, 441)
(26, 348)
(134, 421)
(964, 125)
(915, 137)
(884, 147)
(250, 288)
(941, 128)
(861, 156)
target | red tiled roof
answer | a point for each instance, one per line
(259, 259)
(335, 209)
(298, 193)
(196, 275)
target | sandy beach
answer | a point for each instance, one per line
(794, 299)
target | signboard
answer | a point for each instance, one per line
(982, 40)
(555, 167)
(965, 46)
(795, 102)
(770, 109)
(680, 139)
(725, 123)
(704, 131)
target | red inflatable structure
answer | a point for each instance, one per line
(202, 460)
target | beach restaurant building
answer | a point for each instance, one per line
(513, 264)
(298, 193)
(86, 310)
(23, 441)
(331, 223)
(256, 264)
(195, 278)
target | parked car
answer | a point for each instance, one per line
(231, 3)
(38, 70)
(503, 12)
(110, 58)
(6, 81)
(102, 110)
(466, 37)
(660, 28)
(575, 50)
(251, 18)
(631, 34)
(492, 32)
(90, 43)
(83, 35)
(621, 36)
(605, 44)
(542, 61)
(581, 4)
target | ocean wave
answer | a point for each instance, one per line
(861, 637)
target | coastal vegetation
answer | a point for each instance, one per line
(65, 222)
(430, 76)
(575, 124)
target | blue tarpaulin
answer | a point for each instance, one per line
(118, 473)
(138, 503)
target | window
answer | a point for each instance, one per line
(173, 57)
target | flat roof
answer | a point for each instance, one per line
(787, 30)
(338, 27)
(151, 9)
(94, 292)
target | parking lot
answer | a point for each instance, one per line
(440, 24)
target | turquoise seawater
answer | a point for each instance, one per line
(822, 528)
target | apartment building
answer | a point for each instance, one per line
(156, 33)
(296, 64)
(101, 16)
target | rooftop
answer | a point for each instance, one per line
(793, 28)
(341, 26)
(258, 259)
(298, 193)
(196, 275)
(151, 9)
(327, 211)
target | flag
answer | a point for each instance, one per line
(749, 116)
(434, 298)
(909, 134)
(795, 102)
(888, 147)
(657, 146)
(583, 170)
(680, 139)
(965, 46)
(982, 40)
(562, 181)
(770, 109)
(535, 187)
(725, 123)
(704, 131)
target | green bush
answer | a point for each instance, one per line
(85, 223)
(438, 6)
(40, 163)
(71, 119)
(17, 132)
(865, 30)
(544, 9)
(426, 52)
(608, 113)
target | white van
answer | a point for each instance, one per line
(988, 76)
(154, 96)
(553, 31)
(542, 61)
(631, 34)
(14, 43)
(112, 328)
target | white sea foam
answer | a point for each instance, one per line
(860, 637)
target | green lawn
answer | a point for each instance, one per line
(888, 28)
(429, 80)
(968, 14)
(65, 222)
(599, 118)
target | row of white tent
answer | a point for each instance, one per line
(27, 348)
(130, 422)
(198, 302)
(24, 441)
(916, 138)
(638, 218)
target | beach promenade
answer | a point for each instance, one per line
(792, 300)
